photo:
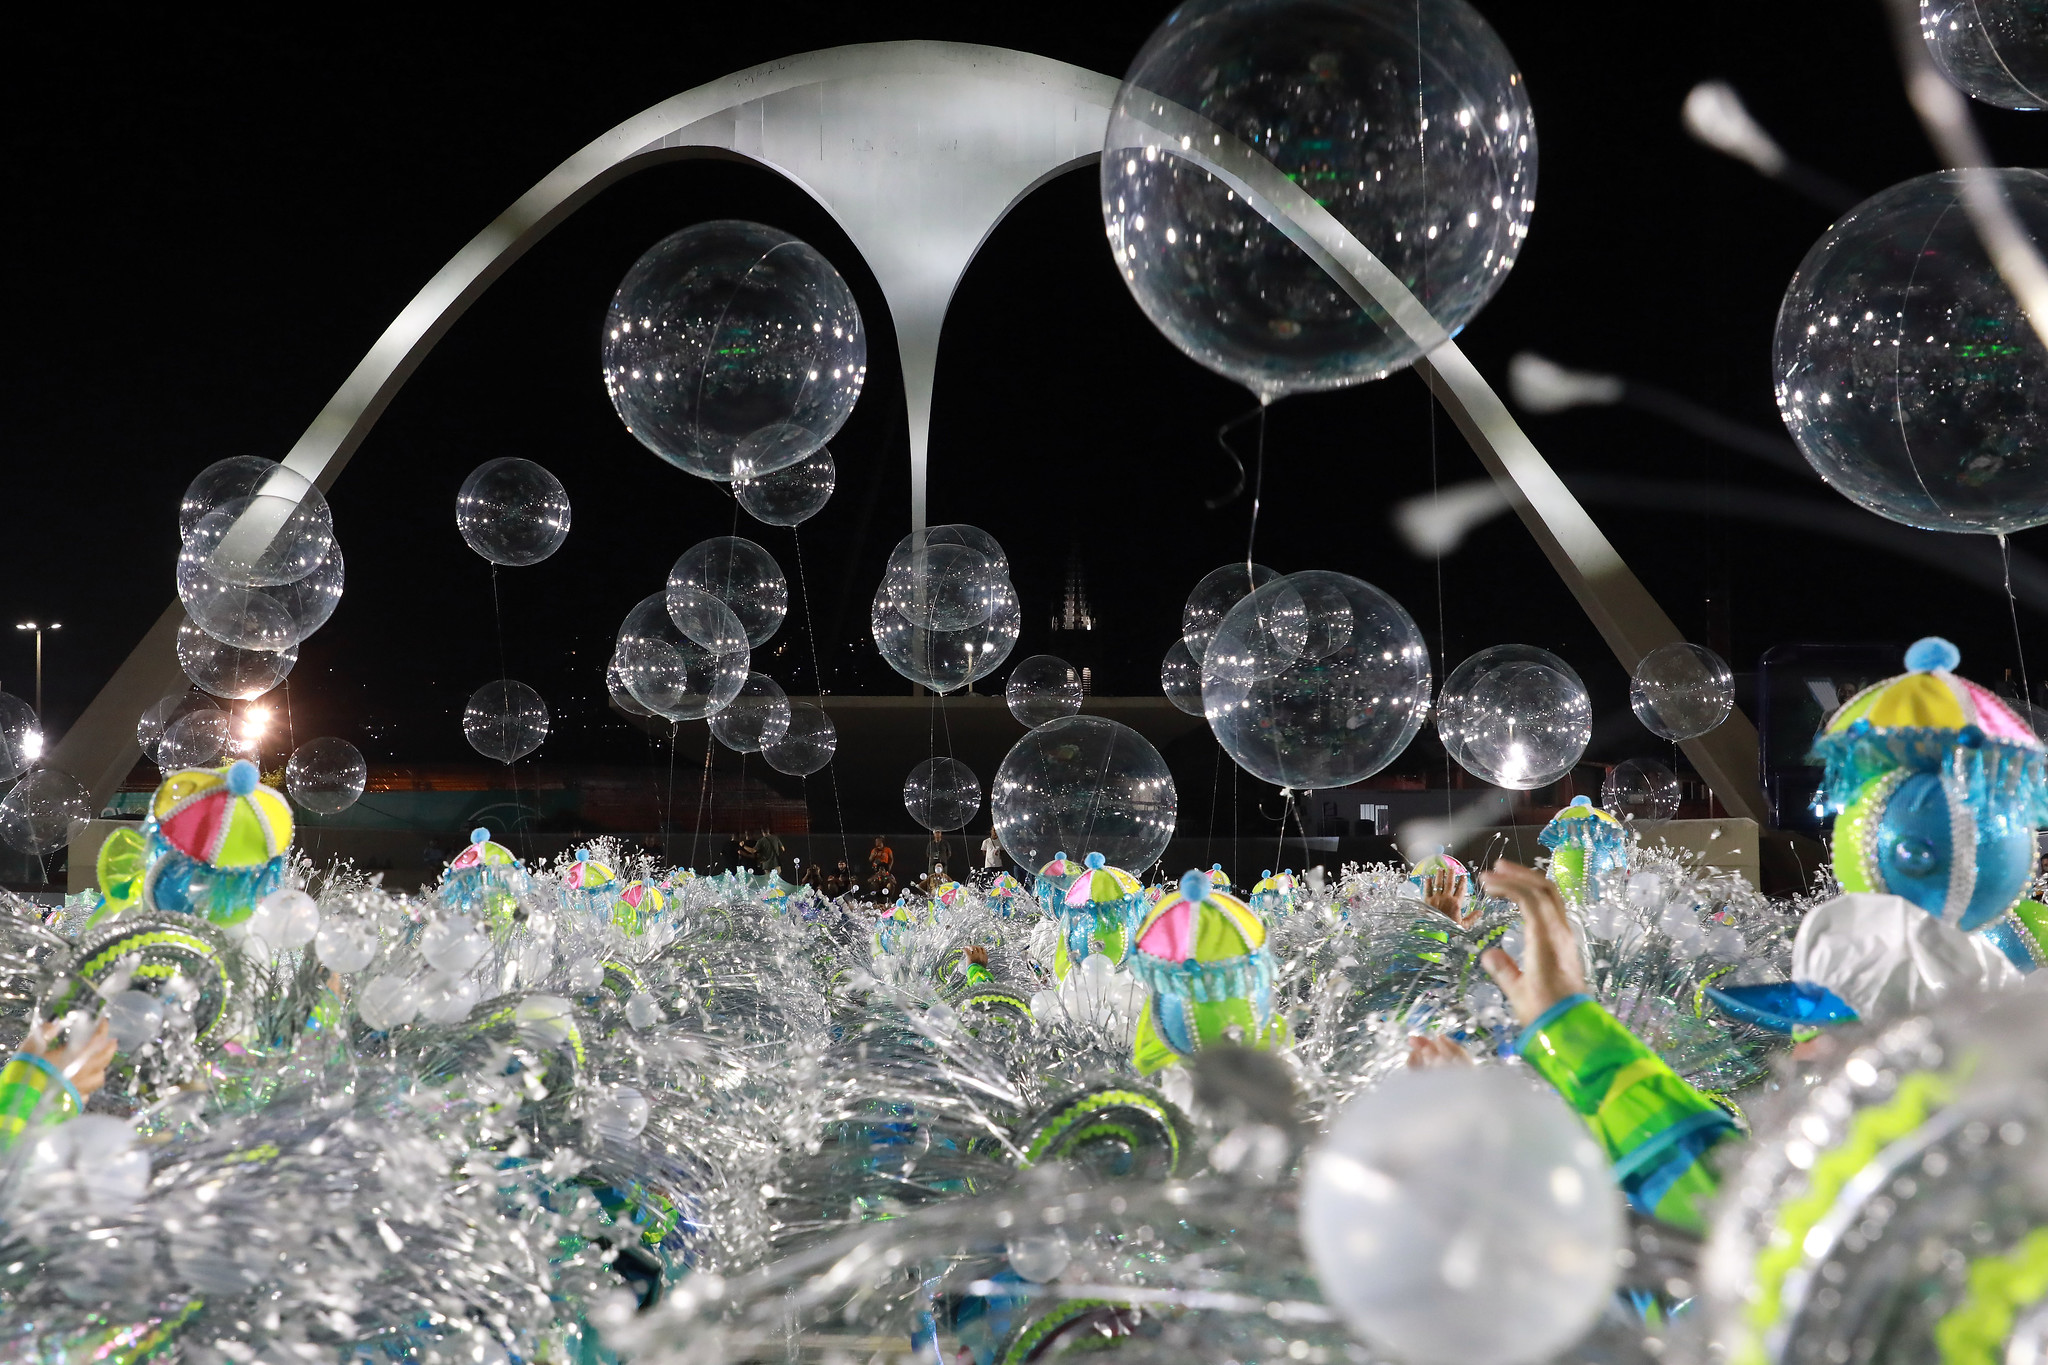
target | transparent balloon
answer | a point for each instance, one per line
(1044, 687)
(194, 740)
(953, 533)
(1515, 716)
(255, 522)
(740, 574)
(792, 495)
(228, 671)
(944, 587)
(505, 719)
(1642, 789)
(942, 794)
(389, 1001)
(757, 716)
(1462, 1214)
(135, 1018)
(164, 713)
(266, 618)
(1409, 124)
(21, 737)
(453, 945)
(38, 812)
(1180, 678)
(512, 511)
(945, 660)
(326, 775)
(1316, 680)
(620, 1114)
(1084, 783)
(1681, 691)
(1992, 50)
(1211, 601)
(732, 350)
(807, 745)
(682, 671)
(622, 695)
(1907, 374)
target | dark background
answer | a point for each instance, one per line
(213, 219)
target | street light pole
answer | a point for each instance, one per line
(30, 625)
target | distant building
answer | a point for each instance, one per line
(1074, 634)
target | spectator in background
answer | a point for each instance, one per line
(992, 852)
(839, 881)
(746, 853)
(880, 860)
(768, 857)
(939, 850)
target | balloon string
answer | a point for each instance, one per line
(505, 676)
(703, 790)
(1215, 778)
(1236, 460)
(1251, 538)
(818, 667)
(668, 806)
(2012, 605)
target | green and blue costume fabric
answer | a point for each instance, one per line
(1656, 1129)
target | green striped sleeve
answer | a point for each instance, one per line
(32, 1091)
(1656, 1129)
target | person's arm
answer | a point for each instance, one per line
(1656, 1129)
(38, 1087)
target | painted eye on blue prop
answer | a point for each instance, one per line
(1915, 857)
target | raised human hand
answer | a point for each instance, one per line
(1550, 969)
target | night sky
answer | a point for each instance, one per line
(213, 221)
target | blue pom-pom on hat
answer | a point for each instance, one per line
(1582, 800)
(582, 855)
(1194, 886)
(1094, 861)
(479, 835)
(1060, 856)
(243, 777)
(1933, 655)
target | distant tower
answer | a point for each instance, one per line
(1074, 637)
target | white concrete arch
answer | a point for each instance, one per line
(918, 150)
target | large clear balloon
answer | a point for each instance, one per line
(732, 349)
(944, 587)
(622, 695)
(945, 660)
(1462, 1216)
(163, 713)
(740, 574)
(38, 812)
(1180, 678)
(1316, 680)
(193, 740)
(1681, 691)
(1908, 375)
(953, 533)
(326, 775)
(1085, 784)
(227, 671)
(1044, 687)
(1515, 716)
(255, 522)
(1406, 122)
(505, 720)
(512, 511)
(942, 794)
(1642, 789)
(792, 495)
(682, 654)
(266, 618)
(807, 745)
(757, 716)
(1211, 601)
(1992, 50)
(21, 737)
